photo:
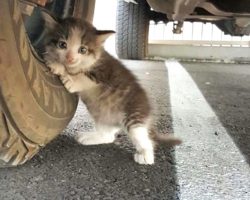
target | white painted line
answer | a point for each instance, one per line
(209, 166)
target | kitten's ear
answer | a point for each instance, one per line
(102, 36)
(50, 21)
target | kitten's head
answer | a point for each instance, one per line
(73, 42)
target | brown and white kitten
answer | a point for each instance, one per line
(74, 51)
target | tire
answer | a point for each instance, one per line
(132, 26)
(34, 105)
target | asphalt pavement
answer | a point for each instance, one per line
(206, 104)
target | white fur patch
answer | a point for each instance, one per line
(143, 144)
(77, 83)
(103, 135)
(56, 68)
(86, 82)
(69, 83)
(94, 138)
(144, 158)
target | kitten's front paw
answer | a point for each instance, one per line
(68, 83)
(144, 158)
(56, 68)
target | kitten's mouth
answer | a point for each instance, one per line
(73, 70)
(74, 64)
(73, 67)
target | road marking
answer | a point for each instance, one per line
(209, 164)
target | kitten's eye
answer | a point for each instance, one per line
(62, 45)
(82, 50)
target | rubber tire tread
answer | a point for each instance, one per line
(25, 124)
(132, 26)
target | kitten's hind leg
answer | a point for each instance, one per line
(102, 135)
(144, 145)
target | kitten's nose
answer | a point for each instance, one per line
(70, 59)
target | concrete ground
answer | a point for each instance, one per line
(207, 105)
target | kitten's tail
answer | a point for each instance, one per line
(165, 139)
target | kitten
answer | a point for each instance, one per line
(74, 51)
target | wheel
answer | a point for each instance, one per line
(132, 26)
(34, 105)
